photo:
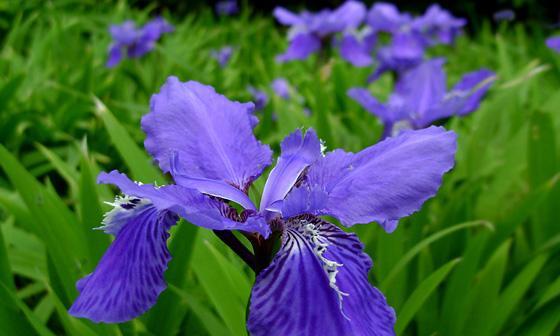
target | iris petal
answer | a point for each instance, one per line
(301, 46)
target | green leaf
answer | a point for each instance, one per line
(420, 294)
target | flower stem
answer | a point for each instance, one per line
(236, 246)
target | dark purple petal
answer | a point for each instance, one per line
(281, 87)
(386, 17)
(212, 135)
(554, 43)
(357, 52)
(129, 278)
(222, 55)
(386, 181)
(301, 46)
(190, 204)
(227, 7)
(153, 30)
(317, 284)
(298, 152)
(286, 17)
(115, 55)
(302, 200)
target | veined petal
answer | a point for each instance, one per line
(317, 285)
(212, 135)
(190, 204)
(298, 152)
(129, 278)
(301, 46)
(386, 181)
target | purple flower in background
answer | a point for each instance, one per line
(310, 31)
(227, 7)
(222, 55)
(281, 87)
(134, 42)
(206, 143)
(260, 98)
(420, 97)
(438, 25)
(553, 43)
(504, 15)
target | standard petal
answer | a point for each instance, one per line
(385, 17)
(129, 278)
(298, 152)
(386, 181)
(354, 51)
(553, 43)
(301, 46)
(190, 204)
(286, 17)
(212, 135)
(317, 284)
(350, 14)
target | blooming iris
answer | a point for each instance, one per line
(554, 43)
(410, 37)
(317, 283)
(133, 42)
(222, 55)
(420, 97)
(310, 31)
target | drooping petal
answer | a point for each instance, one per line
(129, 278)
(190, 204)
(212, 135)
(301, 46)
(553, 43)
(298, 152)
(439, 25)
(474, 86)
(355, 51)
(317, 284)
(286, 17)
(386, 181)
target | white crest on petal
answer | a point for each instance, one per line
(124, 208)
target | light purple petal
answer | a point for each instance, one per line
(355, 51)
(350, 14)
(295, 296)
(385, 17)
(298, 152)
(125, 33)
(115, 55)
(212, 135)
(554, 43)
(190, 204)
(153, 30)
(301, 46)
(386, 181)
(286, 17)
(439, 25)
(281, 87)
(129, 278)
(372, 105)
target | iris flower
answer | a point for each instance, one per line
(420, 97)
(227, 7)
(410, 37)
(281, 87)
(317, 283)
(133, 42)
(310, 32)
(554, 43)
(222, 55)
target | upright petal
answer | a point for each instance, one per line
(212, 135)
(298, 152)
(301, 46)
(386, 181)
(286, 17)
(129, 278)
(385, 17)
(553, 43)
(317, 284)
(190, 204)
(125, 33)
(350, 14)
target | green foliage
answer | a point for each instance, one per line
(446, 270)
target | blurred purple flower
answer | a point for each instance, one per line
(206, 143)
(438, 25)
(227, 7)
(132, 42)
(504, 15)
(420, 97)
(222, 55)
(310, 32)
(281, 87)
(260, 98)
(553, 43)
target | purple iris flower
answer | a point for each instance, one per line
(309, 32)
(227, 8)
(281, 87)
(317, 283)
(504, 15)
(260, 98)
(420, 97)
(135, 42)
(553, 43)
(438, 25)
(222, 55)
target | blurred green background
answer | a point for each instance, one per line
(482, 258)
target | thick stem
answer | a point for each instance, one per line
(230, 240)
